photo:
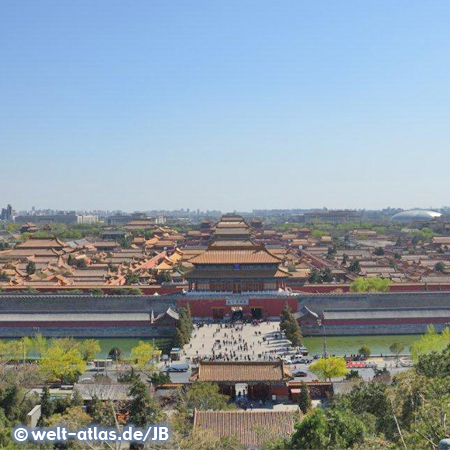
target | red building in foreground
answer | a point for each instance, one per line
(264, 380)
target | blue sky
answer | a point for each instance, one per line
(229, 105)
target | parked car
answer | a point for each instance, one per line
(178, 368)
(287, 360)
(299, 373)
(299, 359)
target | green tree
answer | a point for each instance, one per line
(379, 251)
(178, 339)
(372, 398)
(30, 268)
(184, 327)
(81, 263)
(58, 363)
(89, 348)
(396, 348)
(40, 344)
(352, 375)
(365, 351)
(304, 399)
(159, 378)
(47, 407)
(115, 354)
(439, 267)
(203, 396)
(370, 284)
(143, 409)
(430, 342)
(355, 266)
(327, 275)
(73, 417)
(96, 292)
(290, 326)
(144, 355)
(333, 429)
(314, 277)
(131, 278)
(101, 412)
(328, 368)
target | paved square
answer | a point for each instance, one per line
(245, 342)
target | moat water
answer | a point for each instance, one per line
(336, 345)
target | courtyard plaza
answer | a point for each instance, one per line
(257, 341)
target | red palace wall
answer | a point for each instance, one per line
(203, 307)
(398, 287)
(78, 324)
(411, 320)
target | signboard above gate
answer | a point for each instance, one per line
(237, 301)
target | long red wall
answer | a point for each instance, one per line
(270, 306)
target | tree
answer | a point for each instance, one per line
(379, 251)
(163, 277)
(365, 351)
(355, 266)
(57, 363)
(372, 398)
(184, 327)
(439, 267)
(115, 353)
(89, 348)
(290, 326)
(434, 364)
(332, 429)
(327, 275)
(304, 399)
(131, 278)
(96, 292)
(74, 418)
(430, 342)
(81, 263)
(203, 396)
(26, 345)
(159, 378)
(178, 340)
(30, 268)
(143, 408)
(40, 344)
(293, 332)
(328, 368)
(47, 407)
(144, 355)
(101, 412)
(314, 277)
(370, 284)
(397, 348)
(353, 375)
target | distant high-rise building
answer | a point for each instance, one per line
(7, 213)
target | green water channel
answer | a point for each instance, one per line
(347, 345)
(337, 345)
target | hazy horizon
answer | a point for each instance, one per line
(236, 105)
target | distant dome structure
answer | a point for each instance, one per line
(415, 214)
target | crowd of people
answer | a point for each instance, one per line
(229, 343)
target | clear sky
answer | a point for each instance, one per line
(231, 105)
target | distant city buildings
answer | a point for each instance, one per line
(7, 214)
(66, 218)
(87, 219)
